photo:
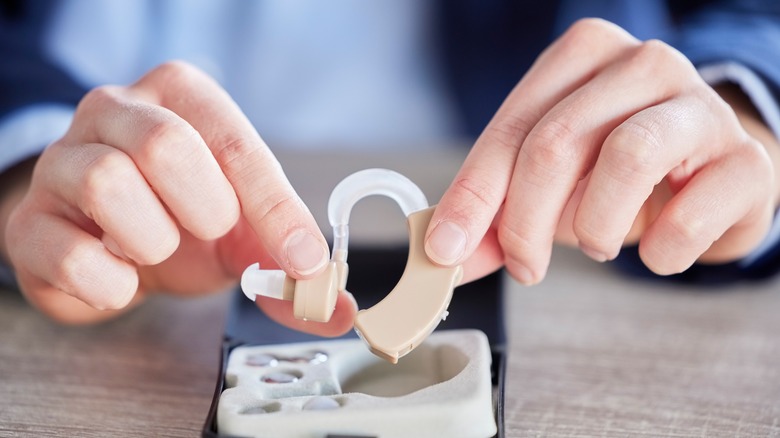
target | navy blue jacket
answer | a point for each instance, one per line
(486, 47)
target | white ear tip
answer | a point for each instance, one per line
(247, 282)
(268, 283)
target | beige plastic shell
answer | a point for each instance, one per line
(412, 310)
(315, 299)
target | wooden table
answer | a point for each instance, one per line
(591, 353)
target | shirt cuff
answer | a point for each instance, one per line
(27, 131)
(761, 96)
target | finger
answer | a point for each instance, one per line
(677, 136)
(562, 148)
(485, 260)
(107, 187)
(169, 153)
(241, 248)
(478, 190)
(698, 217)
(283, 223)
(201, 266)
(74, 262)
(62, 307)
(340, 322)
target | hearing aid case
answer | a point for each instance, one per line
(276, 382)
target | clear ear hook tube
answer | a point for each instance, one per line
(363, 184)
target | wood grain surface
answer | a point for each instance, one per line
(591, 353)
(150, 373)
(596, 354)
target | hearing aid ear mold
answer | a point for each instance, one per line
(410, 312)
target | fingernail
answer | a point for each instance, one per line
(595, 255)
(446, 244)
(305, 253)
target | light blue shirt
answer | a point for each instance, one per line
(343, 74)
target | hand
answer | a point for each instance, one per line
(162, 185)
(608, 141)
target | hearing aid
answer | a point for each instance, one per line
(414, 307)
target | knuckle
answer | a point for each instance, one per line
(101, 94)
(656, 60)
(69, 273)
(174, 72)
(99, 98)
(633, 149)
(654, 51)
(591, 31)
(76, 275)
(103, 179)
(588, 26)
(235, 154)
(478, 190)
(272, 208)
(553, 133)
(164, 143)
(521, 253)
(550, 145)
(514, 244)
(178, 78)
(685, 228)
(509, 131)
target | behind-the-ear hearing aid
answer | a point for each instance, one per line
(410, 312)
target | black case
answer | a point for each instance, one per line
(372, 275)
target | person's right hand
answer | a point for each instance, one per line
(161, 185)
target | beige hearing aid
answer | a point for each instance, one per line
(410, 312)
(313, 299)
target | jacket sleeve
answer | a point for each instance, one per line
(36, 97)
(745, 32)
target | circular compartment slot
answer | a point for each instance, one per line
(281, 376)
(261, 360)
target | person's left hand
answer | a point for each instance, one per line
(607, 141)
